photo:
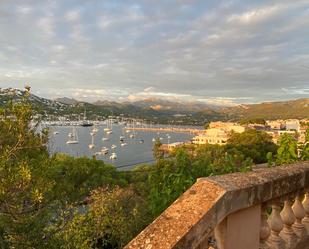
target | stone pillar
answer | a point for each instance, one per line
(240, 230)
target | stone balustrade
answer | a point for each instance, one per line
(264, 209)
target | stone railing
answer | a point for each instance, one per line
(264, 209)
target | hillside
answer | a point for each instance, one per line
(271, 110)
(162, 111)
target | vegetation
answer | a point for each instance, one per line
(64, 202)
(253, 144)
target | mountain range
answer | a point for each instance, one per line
(163, 111)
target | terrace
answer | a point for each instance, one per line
(267, 208)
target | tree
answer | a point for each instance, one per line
(304, 148)
(113, 217)
(252, 143)
(158, 153)
(287, 151)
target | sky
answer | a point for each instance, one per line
(217, 52)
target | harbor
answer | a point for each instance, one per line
(116, 144)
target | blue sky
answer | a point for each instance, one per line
(218, 52)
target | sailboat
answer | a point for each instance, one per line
(86, 123)
(113, 156)
(109, 127)
(73, 139)
(91, 146)
(133, 135)
(104, 150)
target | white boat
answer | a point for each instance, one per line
(109, 132)
(104, 150)
(56, 132)
(106, 129)
(105, 139)
(132, 136)
(114, 146)
(153, 140)
(73, 137)
(91, 146)
(113, 156)
(123, 144)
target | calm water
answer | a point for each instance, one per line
(127, 156)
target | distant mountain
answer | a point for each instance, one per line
(162, 111)
(67, 101)
(167, 105)
(271, 110)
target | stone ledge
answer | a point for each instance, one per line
(197, 212)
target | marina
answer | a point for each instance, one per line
(117, 144)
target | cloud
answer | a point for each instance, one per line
(165, 49)
(72, 16)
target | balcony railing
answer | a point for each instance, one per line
(267, 208)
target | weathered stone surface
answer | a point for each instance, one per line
(192, 217)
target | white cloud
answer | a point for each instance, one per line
(72, 16)
(46, 24)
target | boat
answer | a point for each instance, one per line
(104, 150)
(85, 122)
(91, 146)
(153, 140)
(123, 144)
(95, 130)
(114, 146)
(73, 137)
(132, 136)
(105, 139)
(113, 156)
(141, 141)
(56, 132)
(109, 132)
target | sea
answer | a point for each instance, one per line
(137, 151)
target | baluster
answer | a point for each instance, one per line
(288, 219)
(299, 213)
(306, 208)
(264, 229)
(276, 225)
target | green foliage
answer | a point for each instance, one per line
(158, 153)
(304, 148)
(253, 144)
(171, 177)
(287, 151)
(252, 121)
(113, 217)
(39, 193)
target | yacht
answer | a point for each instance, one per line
(104, 150)
(73, 137)
(105, 139)
(56, 132)
(114, 146)
(113, 156)
(85, 122)
(123, 144)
